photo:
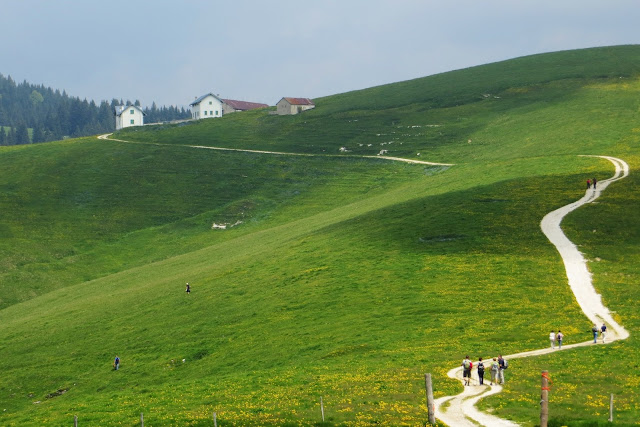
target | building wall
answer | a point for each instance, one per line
(226, 108)
(208, 108)
(283, 107)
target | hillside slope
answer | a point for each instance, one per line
(348, 278)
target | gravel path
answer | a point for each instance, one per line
(460, 410)
(397, 159)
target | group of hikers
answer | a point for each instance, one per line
(556, 338)
(496, 368)
(591, 182)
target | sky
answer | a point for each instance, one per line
(170, 51)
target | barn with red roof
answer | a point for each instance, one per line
(288, 106)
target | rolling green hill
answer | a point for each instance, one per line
(343, 277)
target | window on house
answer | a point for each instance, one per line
(216, 112)
(211, 113)
(205, 112)
(132, 112)
(210, 103)
(133, 122)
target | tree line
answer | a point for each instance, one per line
(35, 113)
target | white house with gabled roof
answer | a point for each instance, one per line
(206, 107)
(130, 115)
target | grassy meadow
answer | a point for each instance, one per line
(345, 278)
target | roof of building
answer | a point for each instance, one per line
(243, 105)
(199, 100)
(122, 108)
(299, 101)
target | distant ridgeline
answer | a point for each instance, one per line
(34, 113)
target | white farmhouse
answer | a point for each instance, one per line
(294, 105)
(206, 107)
(130, 115)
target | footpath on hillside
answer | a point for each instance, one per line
(397, 159)
(460, 410)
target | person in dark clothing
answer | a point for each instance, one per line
(116, 363)
(188, 290)
(588, 184)
(481, 371)
(594, 183)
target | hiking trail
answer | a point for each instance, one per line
(460, 410)
(243, 150)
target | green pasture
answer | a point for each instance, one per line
(346, 278)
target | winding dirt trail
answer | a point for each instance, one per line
(460, 410)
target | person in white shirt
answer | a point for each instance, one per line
(552, 339)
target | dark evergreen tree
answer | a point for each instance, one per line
(38, 134)
(22, 134)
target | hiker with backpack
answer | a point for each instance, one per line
(466, 370)
(502, 365)
(559, 338)
(480, 371)
(494, 371)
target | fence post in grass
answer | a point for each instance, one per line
(141, 419)
(611, 408)
(215, 420)
(544, 400)
(322, 408)
(431, 409)
(75, 421)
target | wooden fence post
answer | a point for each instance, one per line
(431, 408)
(611, 408)
(544, 400)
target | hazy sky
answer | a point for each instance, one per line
(261, 50)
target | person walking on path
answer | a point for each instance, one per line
(603, 331)
(594, 183)
(552, 339)
(466, 370)
(494, 371)
(188, 290)
(595, 333)
(116, 363)
(588, 184)
(481, 371)
(559, 338)
(502, 365)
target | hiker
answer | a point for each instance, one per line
(494, 371)
(559, 338)
(116, 363)
(188, 290)
(603, 331)
(588, 184)
(595, 333)
(594, 183)
(466, 370)
(480, 371)
(552, 339)
(502, 365)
